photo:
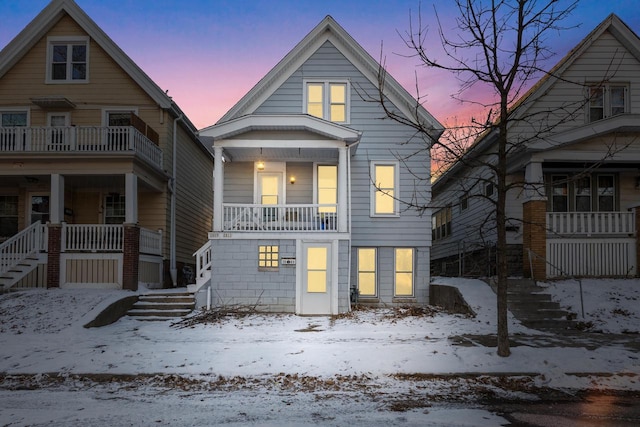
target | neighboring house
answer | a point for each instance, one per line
(577, 160)
(103, 181)
(309, 184)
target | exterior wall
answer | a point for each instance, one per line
(238, 182)
(302, 191)
(381, 140)
(385, 278)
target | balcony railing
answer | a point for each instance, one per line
(591, 223)
(288, 218)
(80, 139)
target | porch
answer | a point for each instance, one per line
(591, 244)
(88, 140)
(82, 255)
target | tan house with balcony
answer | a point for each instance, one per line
(574, 164)
(103, 180)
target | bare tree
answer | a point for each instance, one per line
(499, 45)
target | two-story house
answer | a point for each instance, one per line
(313, 186)
(103, 180)
(574, 161)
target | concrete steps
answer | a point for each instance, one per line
(162, 306)
(535, 309)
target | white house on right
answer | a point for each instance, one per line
(574, 162)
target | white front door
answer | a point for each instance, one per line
(269, 193)
(316, 289)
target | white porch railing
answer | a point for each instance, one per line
(203, 264)
(92, 237)
(591, 223)
(255, 217)
(82, 139)
(150, 241)
(29, 241)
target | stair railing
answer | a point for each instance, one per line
(203, 264)
(19, 247)
(564, 273)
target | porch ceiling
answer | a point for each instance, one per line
(282, 154)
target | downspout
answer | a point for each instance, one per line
(349, 218)
(173, 271)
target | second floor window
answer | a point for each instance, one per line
(384, 189)
(328, 100)
(607, 101)
(67, 60)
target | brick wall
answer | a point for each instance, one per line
(53, 256)
(131, 257)
(534, 238)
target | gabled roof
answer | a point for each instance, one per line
(615, 26)
(48, 18)
(329, 30)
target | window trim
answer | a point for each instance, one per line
(373, 190)
(269, 253)
(326, 101)
(375, 272)
(51, 40)
(464, 202)
(9, 110)
(104, 214)
(316, 181)
(441, 229)
(395, 273)
(606, 99)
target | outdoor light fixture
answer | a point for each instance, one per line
(292, 180)
(260, 165)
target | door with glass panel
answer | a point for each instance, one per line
(269, 193)
(39, 208)
(316, 278)
(58, 138)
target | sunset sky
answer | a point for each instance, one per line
(209, 53)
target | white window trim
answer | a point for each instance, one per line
(116, 109)
(104, 204)
(315, 180)
(606, 99)
(413, 273)
(325, 97)
(373, 190)
(67, 118)
(68, 40)
(375, 254)
(17, 110)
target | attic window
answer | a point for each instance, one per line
(607, 100)
(67, 60)
(327, 100)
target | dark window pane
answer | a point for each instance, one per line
(59, 72)
(79, 53)
(60, 53)
(79, 71)
(14, 119)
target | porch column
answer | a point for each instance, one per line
(56, 203)
(54, 244)
(342, 189)
(218, 181)
(534, 223)
(131, 198)
(130, 256)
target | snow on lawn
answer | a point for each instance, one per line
(42, 332)
(610, 305)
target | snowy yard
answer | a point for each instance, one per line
(371, 361)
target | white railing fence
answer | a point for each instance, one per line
(150, 241)
(19, 247)
(92, 237)
(256, 217)
(591, 223)
(203, 264)
(591, 257)
(85, 139)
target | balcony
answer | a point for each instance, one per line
(280, 218)
(583, 224)
(91, 140)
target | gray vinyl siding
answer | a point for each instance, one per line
(302, 191)
(238, 182)
(382, 139)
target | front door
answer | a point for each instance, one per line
(316, 278)
(269, 193)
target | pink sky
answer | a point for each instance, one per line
(209, 53)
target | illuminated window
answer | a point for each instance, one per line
(317, 269)
(328, 100)
(8, 215)
(68, 59)
(384, 189)
(404, 272)
(367, 272)
(268, 256)
(327, 188)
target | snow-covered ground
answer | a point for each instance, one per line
(331, 364)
